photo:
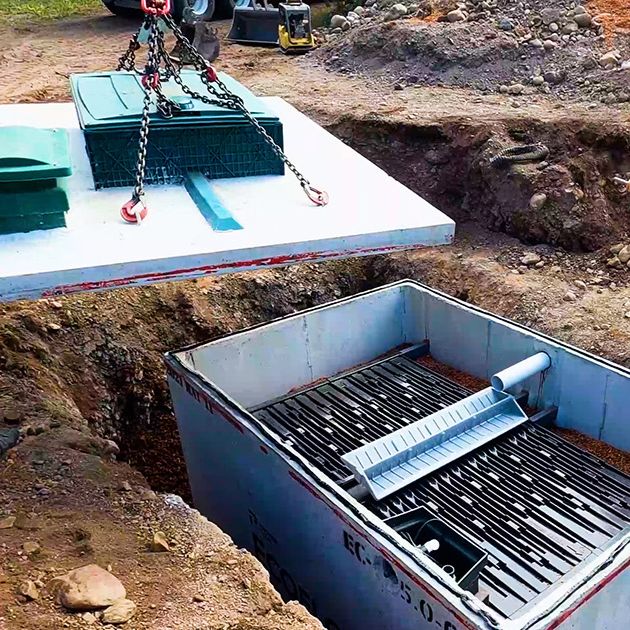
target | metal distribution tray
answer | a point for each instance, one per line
(395, 460)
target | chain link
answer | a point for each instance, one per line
(218, 94)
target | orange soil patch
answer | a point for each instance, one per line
(613, 15)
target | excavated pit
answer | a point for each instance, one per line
(449, 164)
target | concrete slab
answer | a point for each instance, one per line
(369, 213)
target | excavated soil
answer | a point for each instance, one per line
(79, 370)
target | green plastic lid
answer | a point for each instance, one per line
(29, 154)
(108, 100)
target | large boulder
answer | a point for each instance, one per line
(87, 588)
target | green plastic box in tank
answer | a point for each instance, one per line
(33, 163)
(215, 141)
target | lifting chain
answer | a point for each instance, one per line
(218, 94)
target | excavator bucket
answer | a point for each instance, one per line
(254, 25)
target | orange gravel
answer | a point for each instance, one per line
(613, 15)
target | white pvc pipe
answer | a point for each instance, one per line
(520, 371)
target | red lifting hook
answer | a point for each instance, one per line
(156, 7)
(130, 215)
(318, 197)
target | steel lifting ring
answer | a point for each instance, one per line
(149, 6)
(152, 80)
(211, 74)
(130, 215)
(318, 197)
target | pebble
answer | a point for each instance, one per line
(159, 542)
(119, 612)
(624, 255)
(396, 12)
(615, 249)
(337, 21)
(516, 89)
(530, 259)
(29, 590)
(553, 27)
(583, 20)
(538, 80)
(540, 265)
(369, 3)
(570, 27)
(124, 486)
(30, 547)
(198, 597)
(569, 296)
(536, 43)
(609, 60)
(580, 285)
(537, 201)
(549, 44)
(456, 15)
(554, 76)
(7, 522)
(359, 11)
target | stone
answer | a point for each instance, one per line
(583, 20)
(550, 15)
(337, 21)
(396, 12)
(537, 201)
(506, 25)
(352, 16)
(553, 27)
(536, 43)
(569, 28)
(53, 327)
(609, 60)
(89, 617)
(11, 416)
(516, 89)
(119, 612)
(124, 486)
(569, 296)
(346, 26)
(580, 285)
(549, 44)
(109, 447)
(159, 542)
(87, 588)
(579, 10)
(198, 597)
(540, 264)
(613, 262)
(530, 259)
(7, 522)
(8, 439)
(624, 255)
(29, 590)
(555, 77)
(359, 11)
(30, 547)
(369, 3)
(503, 89)
(538, 80)
(457, 15)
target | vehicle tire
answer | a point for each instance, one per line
(198, 11)
(224, 9)
(116, 9)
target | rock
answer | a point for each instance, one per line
(159, 542)
(53, 327)
(87, 588)
(506, 25)
(553, 27)
(537, 201)
(569, 28)
(8, 439)
(580, 285)
(609, 60)
(503, 89)
(369, 3)
(530, 259)
(625, 65)
(124, 486)
(569, 296)
(538, 80)
(624, 255)
(7, 522)
(583, 20)
(11, 416)
(109, 447)
(359, 11)
(549, 44)
(198, 597)
(555, 77)
(119, 612)
(579, 10)
(456, 15)
(396, 12)
(352, 16)
(516, 89)
(536, 43)
(30, 547)
(550, 15)
(89, 617)
(540, 264)
(337, 21)
(346, 26)
(29, 590)
(613, 262)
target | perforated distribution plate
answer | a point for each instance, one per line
(396, 460)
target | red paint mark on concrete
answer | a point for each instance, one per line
(176, 274)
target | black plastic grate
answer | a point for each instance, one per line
(332, 419)
(537, 504)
